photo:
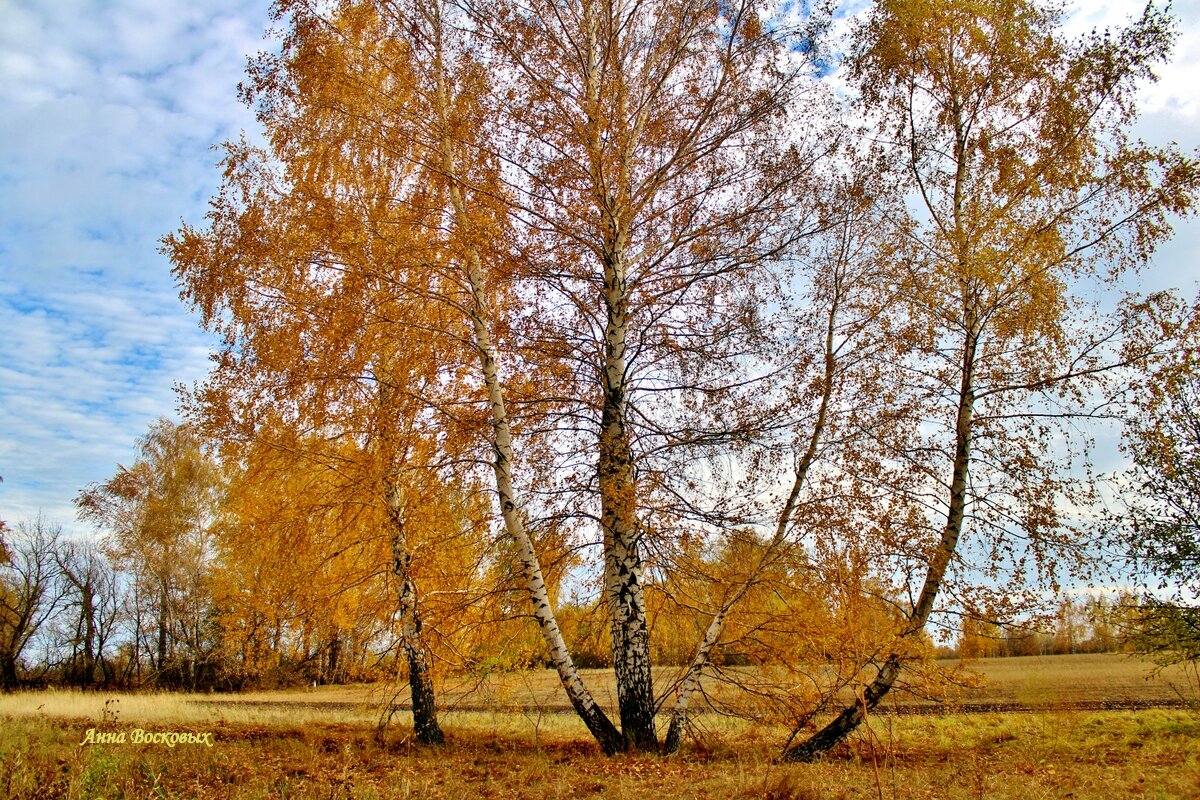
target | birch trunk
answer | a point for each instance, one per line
(597, 722)
(618, 520)
(424, 706)
(712, 634)
(585, 706)
(852, 716)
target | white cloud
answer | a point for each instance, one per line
(111, 111)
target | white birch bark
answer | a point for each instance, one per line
(424, 704)
(581, 699)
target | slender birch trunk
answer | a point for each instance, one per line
(593, 716)
(426, 728)
(716, 626)
(852, 716)
(420, 682)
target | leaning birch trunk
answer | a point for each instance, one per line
(712, 634)
(420, 682)
(593, 716)
(852, 716)
(609, 738)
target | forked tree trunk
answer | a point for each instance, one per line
(610, 739)
(615, 468)
(597, 722)
(851, 717)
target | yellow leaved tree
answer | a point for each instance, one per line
(1012, 144)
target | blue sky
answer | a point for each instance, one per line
(110, 112)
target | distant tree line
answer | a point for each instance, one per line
(1090, 624)
(79, 612)
(71, 616)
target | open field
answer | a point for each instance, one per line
(1113, 677)
(1089, 682)
(1046, 683)
(322, 744)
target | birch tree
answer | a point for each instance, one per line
(1026, 187)
(313, 304)
(1156, 519)
(158, 512)
(374, 256)
(653, 176)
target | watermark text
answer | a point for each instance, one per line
(139, 736)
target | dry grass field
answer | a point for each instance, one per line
(322, 744)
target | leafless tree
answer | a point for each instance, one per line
(29, 593)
